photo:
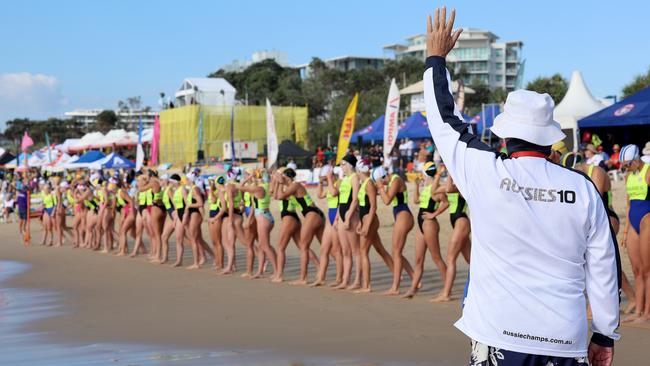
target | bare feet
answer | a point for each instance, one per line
(631, 305)
(354, 286)
(335, 283)
(193, 266)
(341, 286)
(277, 279)
(105, 251)
(317, 283)
(246, 275)
(390, 292)
(120, 254)
(408, 295)
(298, 282)
(631, 318)
(177, 264)
(440, 299)
(363, 290)
(226, 272)
(642, 319)
(257, 276)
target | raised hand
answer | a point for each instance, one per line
(440, 38)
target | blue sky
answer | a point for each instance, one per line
(62, 55)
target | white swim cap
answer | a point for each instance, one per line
(378, 173)
(629, 153)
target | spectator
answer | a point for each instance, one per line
(612, 162)
(320, 156)
(646, 153)
(375, 156)
(8, 205)
(602, 153)
(593, 157)
(410, 149)
(422, 157)
(292, 164)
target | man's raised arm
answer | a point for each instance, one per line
(449, 132)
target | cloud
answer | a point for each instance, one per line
(29, 95)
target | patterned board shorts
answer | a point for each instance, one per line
(483, 355)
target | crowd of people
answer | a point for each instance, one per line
(133, 213)
(136, 213)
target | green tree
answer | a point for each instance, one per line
(498, 95)
(556, 86)
(474, 102)
(58, 130)
(326, 92)
(640, 82)
(106, 121)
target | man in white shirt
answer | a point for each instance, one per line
(550, 243)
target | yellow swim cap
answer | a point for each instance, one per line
(560, 147)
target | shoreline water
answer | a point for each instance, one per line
(19, 307)
(111, 300)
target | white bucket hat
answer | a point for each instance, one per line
(528, 116)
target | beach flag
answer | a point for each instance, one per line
(347, 128)
(391, 121)
(139, 156)
(49, 150)
(155, 143)
(271, 136)
(27, 142)
(24, 145)
(232, 134)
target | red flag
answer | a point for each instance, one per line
(155, 142)
(27, 142)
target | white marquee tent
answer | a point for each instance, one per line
(576, 104)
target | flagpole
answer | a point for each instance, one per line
(232, 134)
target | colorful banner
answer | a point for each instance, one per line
(232, 134)
(27, 142)
(139, 156)
(271, 136)
(391, 121)
(155, 142)
(347, 128)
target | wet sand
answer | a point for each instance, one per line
(112, 299)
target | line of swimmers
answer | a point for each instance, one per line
(636, 238)
(239, 211)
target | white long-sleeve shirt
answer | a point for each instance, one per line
(540, 238)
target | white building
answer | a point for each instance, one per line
(347, 63)
(205, 91)
(129, 119)
(498, 65)
(240, 65)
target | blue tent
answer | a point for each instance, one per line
(414, 127)
(489, 112)
(117, 161)
(633, 110)
(372, 132)
(90, 156)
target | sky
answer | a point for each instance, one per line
(57, 56)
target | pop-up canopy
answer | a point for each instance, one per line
(633, 110)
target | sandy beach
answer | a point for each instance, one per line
(111, 299)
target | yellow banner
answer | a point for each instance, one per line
(347, 128)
